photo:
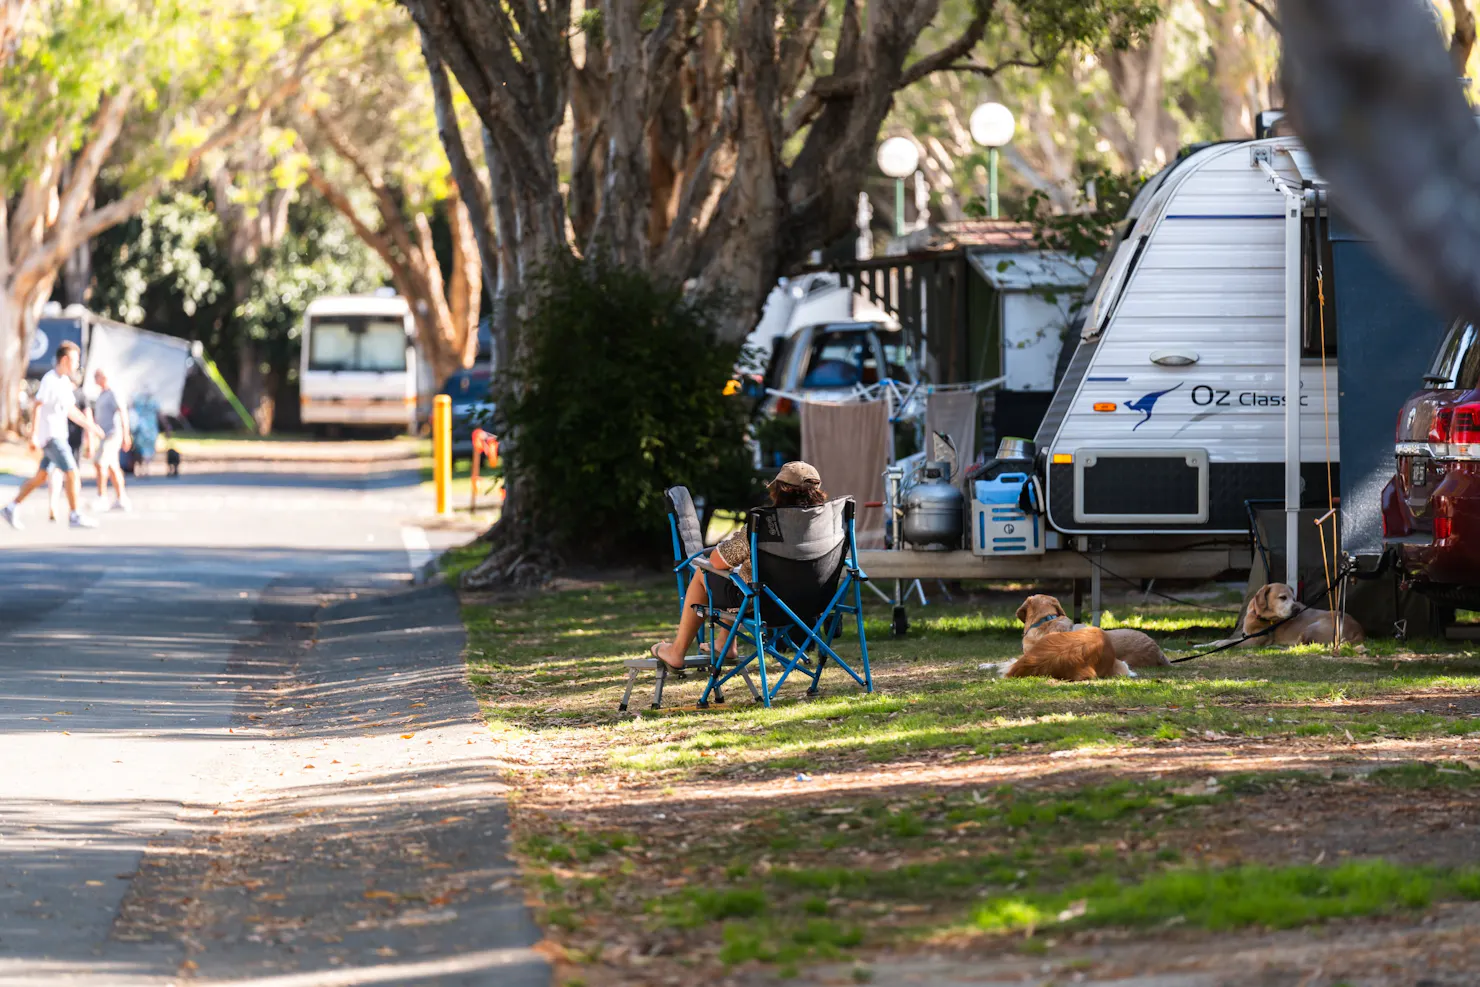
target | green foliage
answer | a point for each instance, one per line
(1054, 26)
(1084, 233)
(619, 397)
(166, 270)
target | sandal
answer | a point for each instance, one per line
(732, 655)
(654, 651)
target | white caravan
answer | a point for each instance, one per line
(358, 365)
(1175, 412)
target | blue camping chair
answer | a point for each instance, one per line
(805, 580)
(688, 550)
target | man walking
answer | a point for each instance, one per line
(112, 418)
(56, 405)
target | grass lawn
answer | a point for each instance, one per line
(950, 809)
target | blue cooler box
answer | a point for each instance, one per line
(998, 525)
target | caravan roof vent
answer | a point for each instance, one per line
(1174, 358)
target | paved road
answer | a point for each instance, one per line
(165, 680)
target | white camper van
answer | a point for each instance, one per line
(1174, 413)
(358, 366)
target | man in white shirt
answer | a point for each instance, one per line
(56, 404)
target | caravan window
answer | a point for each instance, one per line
(383, 346)
(356, 343)
(1116, 278)
(331, 346)
(1458, 364)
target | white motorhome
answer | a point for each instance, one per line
(359, 366)
(1174, 413)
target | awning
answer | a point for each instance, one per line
(1301, 159)
(138, 361)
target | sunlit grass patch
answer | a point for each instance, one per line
(1237, 897)
(552, 663)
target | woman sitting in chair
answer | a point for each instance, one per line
(797, 485)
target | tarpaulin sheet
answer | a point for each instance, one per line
(138, 362)
(954, 413)
(849, 446)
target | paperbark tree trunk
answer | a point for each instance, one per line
(1138, 76)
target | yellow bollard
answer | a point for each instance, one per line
(442, 449)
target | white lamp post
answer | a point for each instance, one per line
(992, 126)
(898, 158)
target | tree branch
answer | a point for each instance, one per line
(1268, 14)
(1462, 42)
(86, 165)
(473, 192)
(63, 238)
(947, 58)
(976, 68)
(795, 50)
(392, 219)
(336, 198)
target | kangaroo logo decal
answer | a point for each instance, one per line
(1146, 404)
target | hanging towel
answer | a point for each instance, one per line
(849, 446)
(955, 414)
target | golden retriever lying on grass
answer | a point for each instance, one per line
(1054, 648)
(1275, 604)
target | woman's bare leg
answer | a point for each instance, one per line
(689, 620)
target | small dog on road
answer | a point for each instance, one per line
(1054, 647)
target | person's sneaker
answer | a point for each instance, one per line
(8, 513)
(82, 521)
(122, 504)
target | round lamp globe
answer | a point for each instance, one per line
(899, 157)
(992, 125)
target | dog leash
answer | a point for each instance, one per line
(1234, 644)
(1340, 576)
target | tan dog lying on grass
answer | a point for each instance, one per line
(1275, 604)
(1054, 648)
(1135, 648)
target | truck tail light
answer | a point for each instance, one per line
(1439, 427)
(1464, 432)
(1443, 528)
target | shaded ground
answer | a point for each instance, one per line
(950, 829)
(207, 776)
(384, 853)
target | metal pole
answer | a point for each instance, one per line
(1095, 607)
(992, 182)
(1294, 208)
(473, 497)
(899, 208)
(442, 449)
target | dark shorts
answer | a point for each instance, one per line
(57, 455)
(723, 592)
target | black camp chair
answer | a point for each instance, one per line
(805, 579)
(688, 549)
